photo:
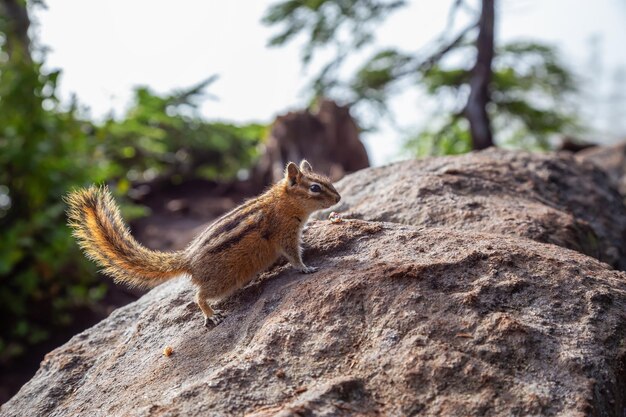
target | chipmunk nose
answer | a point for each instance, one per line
(337, 198)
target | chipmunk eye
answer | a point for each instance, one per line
(315, 188)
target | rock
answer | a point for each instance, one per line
(545, 197)
(327, 137)
(574, 144)
(611, 159)
(400, 320)
(424, 318)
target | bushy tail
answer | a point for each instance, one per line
(101, 232)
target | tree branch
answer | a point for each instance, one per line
(428, 63)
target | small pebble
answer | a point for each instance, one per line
(335, 217)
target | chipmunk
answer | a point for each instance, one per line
(225, 256)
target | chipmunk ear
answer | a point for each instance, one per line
(305, 166)
(292, 173)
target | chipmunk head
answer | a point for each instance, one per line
(314, 191)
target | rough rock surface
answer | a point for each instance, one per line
(545, 197)
(611, 159)
(399, 320)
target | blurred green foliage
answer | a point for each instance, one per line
(47, 149)
(163, 136)
(452, 139)
(530, 101)
(531, 88)
(44, 151)
(326, 22)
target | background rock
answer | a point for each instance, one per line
(544, 197)
(328, 137)
(412, 319)
(611, 159)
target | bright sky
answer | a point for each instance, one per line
(106, 47)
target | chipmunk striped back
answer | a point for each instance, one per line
(304, 192)
(229, 229)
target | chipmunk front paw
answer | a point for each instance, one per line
(308, 269)
(215, 319)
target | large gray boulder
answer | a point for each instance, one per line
(401, 319)
(545, 197)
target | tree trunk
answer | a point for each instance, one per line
(16, 15)
(476, 108)
(328, 138)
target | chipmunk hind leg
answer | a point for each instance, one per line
(210, 315)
